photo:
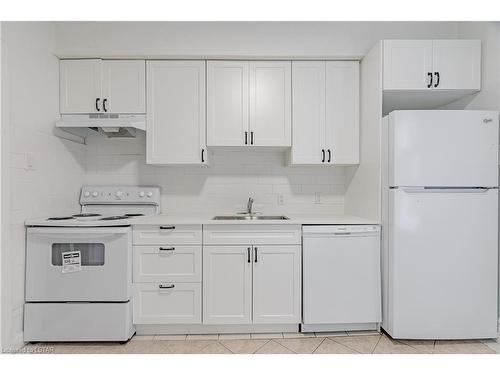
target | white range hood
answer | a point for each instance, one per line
(110, 125)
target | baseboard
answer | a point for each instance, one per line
(339, 327)
(190, 329)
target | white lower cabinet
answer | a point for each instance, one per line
(227, 284)
(277, 284)
(167, 303)
(251, 284)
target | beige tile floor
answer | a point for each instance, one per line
(275, 343)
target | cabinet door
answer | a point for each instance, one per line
(342, 112)
(407, 64)
(308, 112)
(175, 112)
(277, 284)
(227, 103)
(227, 285)
(458, 63)
(124, 86)
(270, 103)
(80, 86)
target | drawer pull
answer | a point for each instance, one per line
(167, 248)
(163, 286)
(167, 227)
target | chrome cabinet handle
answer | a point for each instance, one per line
(248, 255)
(163, 286)
(166, 248)
(167, 227)
(429, 85)
(255, 254)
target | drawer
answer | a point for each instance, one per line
(180, 304)
(167, 234)
(175, 263)
(253, 234)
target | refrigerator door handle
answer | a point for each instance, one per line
(444, 190)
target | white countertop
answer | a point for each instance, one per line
(172, 219)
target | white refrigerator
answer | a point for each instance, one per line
(440, 224)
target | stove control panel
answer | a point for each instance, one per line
(120, 195)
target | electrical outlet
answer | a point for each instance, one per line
(30, 162)
(281, 199)
(317, 198)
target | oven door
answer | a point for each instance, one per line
(104, 273)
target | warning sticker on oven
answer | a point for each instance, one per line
(71, 261)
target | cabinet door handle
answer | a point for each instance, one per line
(202, 157)
(97, 104)
(104, 105)
(246, 137)
(251, 138)
(329, 156)
(163, 286)
(167, 227)
(166, 248)
(255, 254)
(323, 155)
(437, 79)
(429, 85)
(248, 254)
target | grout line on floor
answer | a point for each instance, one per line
(274, 340)
(378, 341)
(345, 346)
(322, 341)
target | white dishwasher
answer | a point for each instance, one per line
(341, 277)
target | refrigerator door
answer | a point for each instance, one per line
(443, 148)
(442, 264)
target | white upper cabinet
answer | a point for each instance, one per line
(407, 64)
(227, 103)
(456, 64)
(123, 88)
(342, 112)
(308, 93)
(176, 112)
(248, 103)
(80, 86)
(270, 103)
(325, 112)
(277, 284)
(102, 86)
(432, 65)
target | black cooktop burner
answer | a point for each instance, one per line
(60, 218)
(132, 215)
(121, 217)
(86, 215)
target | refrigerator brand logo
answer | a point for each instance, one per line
(487, 120)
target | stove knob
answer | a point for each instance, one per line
(86, 194)
(119, 194)
(150, 194)
(141, 194)
(95, 194)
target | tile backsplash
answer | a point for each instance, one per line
(225, 185)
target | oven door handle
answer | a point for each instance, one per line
(78, 231)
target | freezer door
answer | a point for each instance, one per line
(442, 264)
(443, 148)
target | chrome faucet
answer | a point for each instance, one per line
(249, 205)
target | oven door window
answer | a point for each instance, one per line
(92, 254)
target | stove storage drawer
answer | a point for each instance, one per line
(173, 263)
(167, 303)
(167, 234)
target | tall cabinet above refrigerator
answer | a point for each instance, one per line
(440, 220)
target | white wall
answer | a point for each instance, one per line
(225, 185)
(29, 108)
(335, 39)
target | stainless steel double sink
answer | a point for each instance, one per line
(250, 217)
